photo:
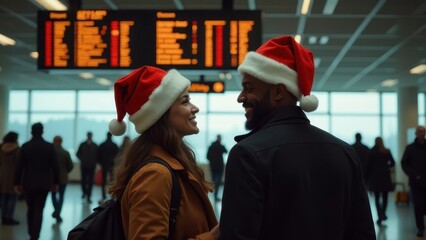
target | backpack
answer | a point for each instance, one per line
(105, 222)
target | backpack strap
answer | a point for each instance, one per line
(176, 192)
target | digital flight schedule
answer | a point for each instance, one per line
(128, 39)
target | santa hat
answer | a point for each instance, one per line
(145, 94)
(283, 60)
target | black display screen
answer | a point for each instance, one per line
(128, 39)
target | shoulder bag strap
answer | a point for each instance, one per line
(176, 192)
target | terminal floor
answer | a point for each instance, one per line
(399, 226)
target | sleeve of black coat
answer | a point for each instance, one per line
(360, 223)
(406, 163)
(243, 196)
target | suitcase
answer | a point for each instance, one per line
(401, 195)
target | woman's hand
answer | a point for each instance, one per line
(215, 232)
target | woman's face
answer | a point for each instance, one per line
(182, 115)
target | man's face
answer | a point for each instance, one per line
(420, 133)
(256, 99)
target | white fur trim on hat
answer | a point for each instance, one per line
(160, 100)
(270, 71)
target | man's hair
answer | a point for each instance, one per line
(358, 136)
(37, 129)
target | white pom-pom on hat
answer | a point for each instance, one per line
(117, 128)
(309, 103)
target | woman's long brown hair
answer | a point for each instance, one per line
(159, 134)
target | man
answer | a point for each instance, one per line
(87, 153)
(414, 165)
(215, 157)
(36, 174)
(287, 179)
(107, 152)
(65, 165)
(362, 151)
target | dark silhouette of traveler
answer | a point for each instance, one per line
(9, 155)
(414, 165)
(37, 174)
(160, 109)
(378, 176)
(65, 166)
(87, 153)
(215, 157)
(362, 150)
(287, 179)
(107, 152)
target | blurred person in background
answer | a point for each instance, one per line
(107, 153)
(65, 166)
(37, 173)
(378, 176)
(414, 165)
(88, 154)
(9, 155)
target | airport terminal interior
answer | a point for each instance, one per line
(370, 75)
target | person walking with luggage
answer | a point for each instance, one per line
(88, 154)
(414, 165)
(378, 176)
(65, 166)
(287, 179)
(159, 106)
(215, 157)
(37, 173)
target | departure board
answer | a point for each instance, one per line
(128, 39)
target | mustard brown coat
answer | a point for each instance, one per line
(146, 202)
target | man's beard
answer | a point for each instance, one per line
(260, 111)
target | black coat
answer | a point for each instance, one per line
(37, 166)
(215, 156)
(291, 180)
(414, 163)
(378, 175)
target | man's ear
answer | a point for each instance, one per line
(279, 92)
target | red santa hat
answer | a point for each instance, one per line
(145, 94)
(283, 60)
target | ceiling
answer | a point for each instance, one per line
(369, 41)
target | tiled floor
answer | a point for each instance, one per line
(399, 226)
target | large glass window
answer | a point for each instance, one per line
(51, 101)
(354, 103)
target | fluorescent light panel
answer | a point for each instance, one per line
(5, 41)
(52, 5)
(420, 69)
(104, 81)
(86, 75)
(298, 38)
(389, 82)
(305, 7)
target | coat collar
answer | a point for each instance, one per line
(282, 115)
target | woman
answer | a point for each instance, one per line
(160, 109)
(378, 176)
(9, 155)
